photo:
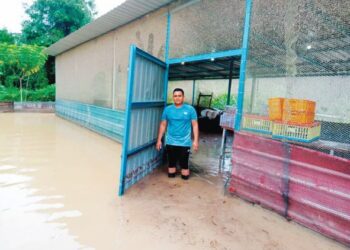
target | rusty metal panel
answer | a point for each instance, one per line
(307, 186)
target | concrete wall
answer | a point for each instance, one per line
(331, 94)
(96, 71)
(85, 73)
(148, 34)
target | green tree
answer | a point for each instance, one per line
(21, 62)
(6, 37)
(51, 20)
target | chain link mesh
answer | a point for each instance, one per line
(301, 50)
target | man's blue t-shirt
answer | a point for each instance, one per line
(179, 124)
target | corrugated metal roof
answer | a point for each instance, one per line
(123, 14)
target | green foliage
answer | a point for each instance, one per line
(10, 80)
(9, 94)
(204, 102)
(219, 102)
(19, 63)
(51, 20)
(22, 60)
(13, 94)
(7, 37)
(45, 94)
(39, 80)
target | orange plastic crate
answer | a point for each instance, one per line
(298, 118)
(299, 112)
(276, 108)
(298, 105)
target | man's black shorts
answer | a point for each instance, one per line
(178, 154)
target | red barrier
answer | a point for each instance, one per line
(307, 186)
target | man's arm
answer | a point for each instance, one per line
(195, 134)
(162, 128)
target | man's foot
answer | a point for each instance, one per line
(185, 174)
(185, 177)
(171, 172)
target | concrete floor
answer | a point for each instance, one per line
(58, 190)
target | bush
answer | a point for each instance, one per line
(44, 94)
(219, 102)
(40, 95)
(9, 94)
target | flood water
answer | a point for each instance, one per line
(58, 190)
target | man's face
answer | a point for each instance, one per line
(178, 98)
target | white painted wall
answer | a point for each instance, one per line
(331, 94)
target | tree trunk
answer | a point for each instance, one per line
(27, 87)
(20, 87)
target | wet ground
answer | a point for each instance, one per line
(58, 190)
(206, 162)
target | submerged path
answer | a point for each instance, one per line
(58, 190)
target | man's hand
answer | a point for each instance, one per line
(159, 145)
(195, 146)
(162, 128)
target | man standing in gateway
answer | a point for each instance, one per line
(177, 120)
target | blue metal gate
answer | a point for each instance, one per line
(146, 98)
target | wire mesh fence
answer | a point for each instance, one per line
(298, 73)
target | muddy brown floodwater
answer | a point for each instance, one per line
(58, 190)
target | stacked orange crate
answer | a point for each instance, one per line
(298, 112)
(298, 121)
(276, 108)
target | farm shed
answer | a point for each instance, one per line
(112, 76)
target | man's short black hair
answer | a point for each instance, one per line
(178, 89)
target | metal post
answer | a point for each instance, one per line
(229, 84)
(114, 73)
(132, 59)
(167, 48)
(222, 149)
(167, 38)
(252, 96)
(243, 65)
(193, 91)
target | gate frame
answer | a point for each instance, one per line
(134, 51)
(242, 52)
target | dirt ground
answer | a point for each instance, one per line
(58, 190)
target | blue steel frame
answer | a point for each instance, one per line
(202, 57)
(242, 52)
(134, 51)
(131, 75)
(242, 70)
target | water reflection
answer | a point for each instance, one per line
(205, 163)
(30, 218)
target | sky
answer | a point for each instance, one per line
(12, 12)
